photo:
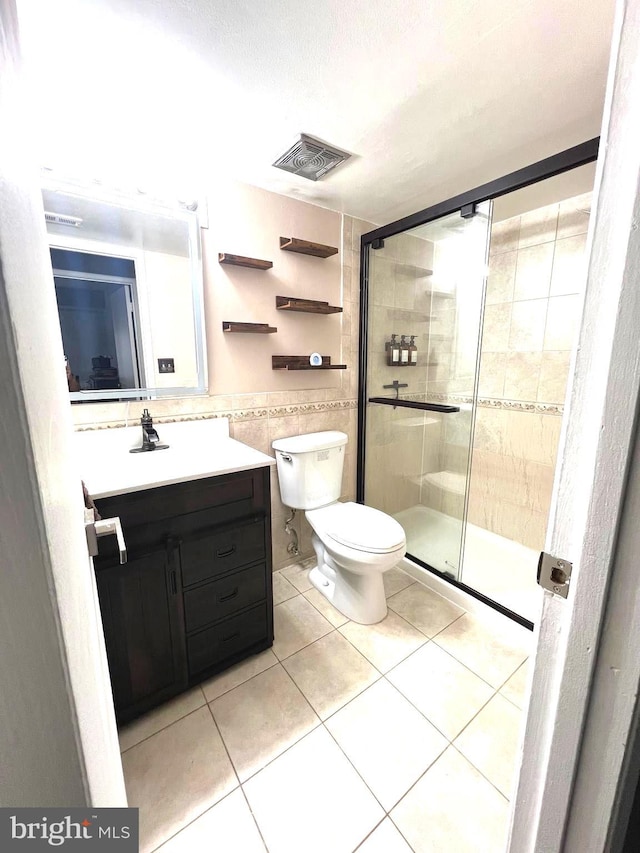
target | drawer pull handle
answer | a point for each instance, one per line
(226, 553)
(230, 596)
(231, 637)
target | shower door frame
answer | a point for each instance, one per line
(564, 161)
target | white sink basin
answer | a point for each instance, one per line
(196, 449)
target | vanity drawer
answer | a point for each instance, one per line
(227, 638)
(212, 554)
(225, 596)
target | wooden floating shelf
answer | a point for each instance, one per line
(305, 306)
(256, 328)
(241, 261)
(304, 247)
(301, 362)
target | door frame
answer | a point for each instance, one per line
(578, 765)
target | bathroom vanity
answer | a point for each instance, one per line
(195, 594)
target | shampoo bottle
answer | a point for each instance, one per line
(413, 352)
(394, 351)
(404, 351)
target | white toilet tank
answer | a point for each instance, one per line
(310, 468)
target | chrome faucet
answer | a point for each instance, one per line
(150, 437)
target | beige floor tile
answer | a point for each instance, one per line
(312, 799)
(282, 589)
(388, 742)
(492, 653)
(176, 775)
(298, 575)
(515, 688)
(490, 742)
(384, 839)
(445, 691)
(160, 718)
(325, 607)
(330, 672)
(425, 609)
(228, 827)
(238, 674)
(296, 624)
(261, 718)
(386, 643)
(394, 580)
(453, 809)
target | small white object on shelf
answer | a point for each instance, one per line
(315, 359)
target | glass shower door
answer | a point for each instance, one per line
(425, 298)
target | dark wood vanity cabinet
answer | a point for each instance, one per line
(195, 595)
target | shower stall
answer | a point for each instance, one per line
(423, 307)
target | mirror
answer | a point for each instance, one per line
(128, 277)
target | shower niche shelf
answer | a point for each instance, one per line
(305, 247)
(305, 306)
(301, 362)
(242, 261)
(412, 269)
(255, 328)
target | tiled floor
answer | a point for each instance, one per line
(386, 738)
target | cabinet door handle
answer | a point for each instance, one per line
(172, 582)
(231, 637)
(230, 596)
(226, 553)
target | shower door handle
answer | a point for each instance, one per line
(415, 404)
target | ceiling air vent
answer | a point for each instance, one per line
(62, 219)
(310, 158)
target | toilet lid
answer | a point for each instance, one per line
(360, 527)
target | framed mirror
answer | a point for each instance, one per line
(127, 271)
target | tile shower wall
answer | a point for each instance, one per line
(400, 302)
(262, 414)
(533, 306)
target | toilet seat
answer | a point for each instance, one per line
(356, 526)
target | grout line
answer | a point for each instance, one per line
(246, 799)
(250, 678)
(213, 805)
(484, 776)
(171, 837)
(370, 833)
(168, 725)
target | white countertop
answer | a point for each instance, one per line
(197, 449)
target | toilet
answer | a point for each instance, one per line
(354, 544)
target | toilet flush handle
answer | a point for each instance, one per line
(286, 457)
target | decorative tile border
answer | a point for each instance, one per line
(236, 415)
(492, 403)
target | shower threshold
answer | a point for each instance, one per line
(497, 568)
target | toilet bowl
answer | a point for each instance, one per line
(354, 544)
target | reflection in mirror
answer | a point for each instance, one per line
(128, 279)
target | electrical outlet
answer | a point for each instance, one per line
(166, 365)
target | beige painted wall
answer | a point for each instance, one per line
(263, 404)
(534, 297)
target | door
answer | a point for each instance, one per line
(425, 290)
(59, 727)
(586, 674)
(141, 608)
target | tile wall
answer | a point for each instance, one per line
(537, 269)
(261, 414)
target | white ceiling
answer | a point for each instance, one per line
(432, 98)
